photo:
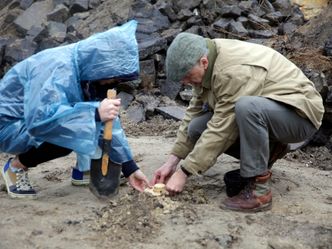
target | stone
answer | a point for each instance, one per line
(35, 15)
(59, 14)
(174, 112)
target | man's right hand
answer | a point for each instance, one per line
(162, 174)
(109, 109)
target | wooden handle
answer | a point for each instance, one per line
(111, 94)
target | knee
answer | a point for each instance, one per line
(247, 105)
(193, 133)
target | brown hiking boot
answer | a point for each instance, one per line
(256, 196)
(278, 152)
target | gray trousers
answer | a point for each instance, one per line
(262, 123)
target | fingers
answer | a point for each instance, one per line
(139, 187)
(109, 109)
(158, 178)
(147, 183)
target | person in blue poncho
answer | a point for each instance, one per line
(53, 103)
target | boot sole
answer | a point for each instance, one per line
(261, 208)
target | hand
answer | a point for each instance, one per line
(139, 181)
(162, 174)
(109, 109)
(176, 183)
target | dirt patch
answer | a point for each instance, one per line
(156, 126)
(316, 157)
(64, 216)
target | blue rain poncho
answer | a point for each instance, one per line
(41, 99)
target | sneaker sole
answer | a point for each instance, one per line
(13, 195)
(80, 182)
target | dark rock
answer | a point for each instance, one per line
(188, 4)
(12, 15)
(173, 112)
(328, 47)
(237, 29)
(72, 37)
(94, 4)
(297, 16)
(230, 11)
(267, 6)
(149, 102)
(251, 7)
(288, 28)
(184, 15)
(284, 6)
(261, 34)
(135, 113)
(195, 21)
(4, 3)
(78, 6)
(57, 31)
(275, 17)
(19, 50)
(207, 11)
(14, 4)
(318, 78)
(170, 89)
(129, 86)
(35, 15)
(170, 34)
(64, 2)
(24, 4)
(246, 7)
(59, 14)
(166, 9)
(126, 99)
(37, 34)
(322, 136)
(72, 23)
(150, 47)
(149, 18)
(222, 24)
(257, 22)
(47, 43)
(3, 43)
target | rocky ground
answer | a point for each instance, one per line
(65, 216)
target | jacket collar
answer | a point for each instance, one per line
(212, 58)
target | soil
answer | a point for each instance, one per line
(65, 216)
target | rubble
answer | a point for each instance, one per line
(38, 25)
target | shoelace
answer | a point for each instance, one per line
(22, 181)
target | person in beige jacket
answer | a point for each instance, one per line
(247, 100)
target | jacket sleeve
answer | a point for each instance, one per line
(228, 86)
(183, 145)
(54, 111)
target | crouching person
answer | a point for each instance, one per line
(248, 101)
(51, 104)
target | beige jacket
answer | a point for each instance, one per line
(236, 69)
